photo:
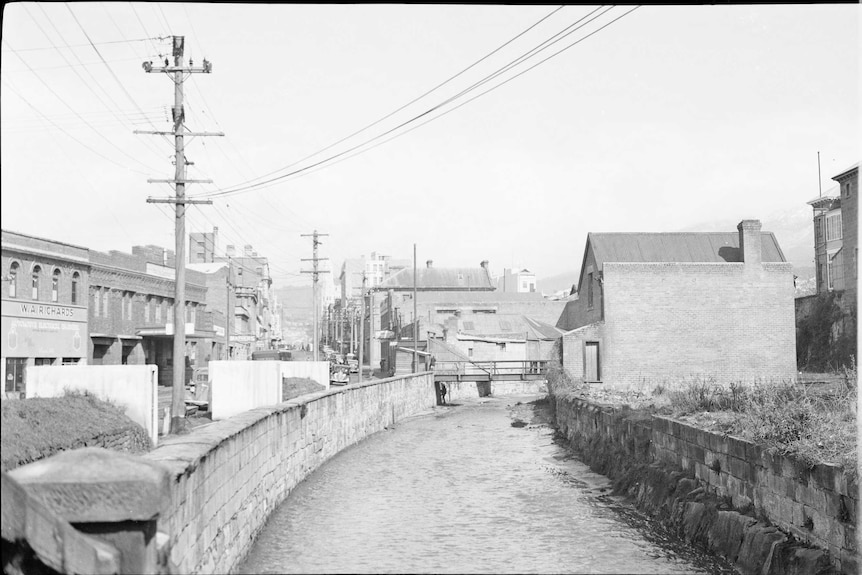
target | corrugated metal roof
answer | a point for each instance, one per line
(506, 325)
(440, 278)
(694, 247)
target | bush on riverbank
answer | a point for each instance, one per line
(42, 426)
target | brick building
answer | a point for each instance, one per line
(661, 308)
(131, 314)
(44, 301)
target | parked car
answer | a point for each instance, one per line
(352, 363)
(338, 374)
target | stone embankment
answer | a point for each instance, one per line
(228, 476)
(767, 513)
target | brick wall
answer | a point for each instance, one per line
(573, 348)
(817, 506)
(670, 321)
(229, 476)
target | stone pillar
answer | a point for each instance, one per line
(112, 496)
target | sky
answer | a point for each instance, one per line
(474, 132)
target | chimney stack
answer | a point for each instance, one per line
(429, 263)
(749, 241)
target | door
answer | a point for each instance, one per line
(15, 367)
(591, 361)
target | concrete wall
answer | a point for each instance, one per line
(469, 389)
(227, 477)
(817, 506)
(237, 386)
(133, 387)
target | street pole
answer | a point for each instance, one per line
(228, 313)
(178, 408)
(415, 317)
(315, 271)
(362, 327)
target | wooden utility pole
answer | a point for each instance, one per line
(229, 313)
(415, 317)
(362, 327)
(178, 407)
(315, 271)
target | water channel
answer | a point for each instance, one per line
(479, 487)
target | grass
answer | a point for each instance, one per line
(814, 423)
(296, 386)
(39, 427)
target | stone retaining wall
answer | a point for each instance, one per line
(467, 389)
(766, 512)
(228, 476)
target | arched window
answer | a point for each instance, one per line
(13, 279)
(34, 292)
(55, 286)
(75, 278)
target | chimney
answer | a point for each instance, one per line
(749, 241)
(429, 263)
(484, 264)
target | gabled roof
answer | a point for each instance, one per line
(684, 247)
(441, 279)
(513, 326)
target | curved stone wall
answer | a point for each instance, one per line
(228, 476)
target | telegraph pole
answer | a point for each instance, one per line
(229, 313)
(315, 271)
(362, 326)
(415, 317)
(179, 181)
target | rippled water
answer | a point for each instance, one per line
(481, 487)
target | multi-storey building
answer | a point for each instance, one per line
(44, 301)
(517, 281)
(252, 288)
(836, 244)
(131, 317)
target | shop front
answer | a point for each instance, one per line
(39, 333)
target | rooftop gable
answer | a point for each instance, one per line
(429, 278)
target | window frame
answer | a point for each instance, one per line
(76, 276)
(35, 280)
(55, 285)
(13, 279)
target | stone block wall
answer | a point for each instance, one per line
(817, 506)
(229, 476)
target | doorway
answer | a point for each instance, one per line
(592, 363)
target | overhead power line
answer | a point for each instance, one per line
(341, 155)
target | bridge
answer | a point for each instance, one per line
(499, 370)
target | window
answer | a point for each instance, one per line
(105, 303)
(147, 305)
(75, 277)
(833, 227)
(70, 361)
(13, 279)
(34, 291)
(192, 308)
(97, 302)
(158, 309)
(55, 286)
(43, 361)
(589, 290)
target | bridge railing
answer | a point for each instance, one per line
(492, 368)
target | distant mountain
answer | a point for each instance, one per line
(559, 282)
(793, 228)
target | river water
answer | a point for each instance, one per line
(479, 487)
